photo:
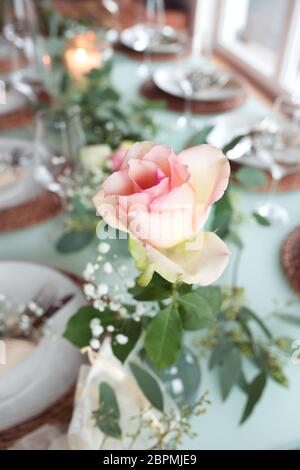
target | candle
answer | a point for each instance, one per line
(83, 54)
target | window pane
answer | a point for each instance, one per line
(254, 29)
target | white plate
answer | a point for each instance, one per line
(228, 127)
(24, 188)
(34, 384)
(14, 100)
(135, 38)
(166, 78)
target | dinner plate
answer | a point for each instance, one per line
(167, 79)
(14, 100)
(136, 38)
(25, 187)
(31, 386)
(226, 128)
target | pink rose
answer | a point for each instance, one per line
(117, 157)
(163, 200)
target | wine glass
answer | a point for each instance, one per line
(148, 30)
(59, 138)
(30, 61)
(278, 147)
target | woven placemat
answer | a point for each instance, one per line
(150, 91)
(24, 116)
(154, 57)
(288, 183)
(34, 211)
(290, 259)
(60, 413)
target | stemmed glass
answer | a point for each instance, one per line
(31, 64)
(278, 147)
(59, 138)
(154, 22)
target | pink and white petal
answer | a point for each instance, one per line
(162, 229)
(199, 262)
(159, 189)
(118, 183)
(143, 174)
(160, 154)
(138, 150)
(178, 198)
(109, 209)
(179, 172)
(210, 171)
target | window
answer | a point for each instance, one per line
(263, 38)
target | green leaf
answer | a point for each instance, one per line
(250, 177)
(261, 220)
(247, 314)
(255, 391)
(107, 417)
(236, 240)
(148, 385)
(288, 318)
(163, 337)
(78, 330)
(157, 289)
(213, 296)
(74, 240)
(195, 312)
(220, 351)
(222, 217)
(132, 330)
(233, 143)
(200, 137)
(230, 372)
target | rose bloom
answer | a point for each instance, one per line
(163, 200)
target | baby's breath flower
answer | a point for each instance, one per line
(107, 268)
(103, 248)
(95, 344)
(121, 339)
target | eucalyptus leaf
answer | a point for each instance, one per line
(255, 390)
(107, 417)
(163, 337)
(74, 240)
(196, 313)
(233, 143)
(220, 351)
(248, 314)
(222, 216)
(261, 220)
(149, 385)
(250, 177)
(230, 372)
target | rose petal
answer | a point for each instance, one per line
(209, 170)
(201, 265)
(111, 212)
(119, 183)
(138, 150)
(143, 174)
(160, 154)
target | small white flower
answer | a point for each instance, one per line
(122, 269)
(89, 290)
(103, 248)
(114, 306)
(95, 344)
(97, 331)
(89, 271)
(94, 323)
(140, 309)
(123, 311)
(121, 339)
(107, 268)
(177, 386)
(110, 328)
(173, 370)
(102, 289)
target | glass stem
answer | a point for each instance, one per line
(277, 175)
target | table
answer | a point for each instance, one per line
(275, 423)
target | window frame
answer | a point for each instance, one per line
(286, 60)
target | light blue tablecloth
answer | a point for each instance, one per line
(276, 420)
